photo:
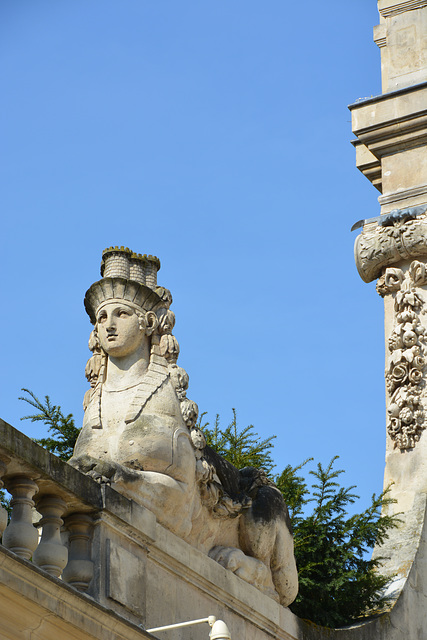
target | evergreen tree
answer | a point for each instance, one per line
(338, 584)
(62, 427)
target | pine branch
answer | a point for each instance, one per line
(62, 427)
(241, 447)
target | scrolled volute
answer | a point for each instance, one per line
(380, 246)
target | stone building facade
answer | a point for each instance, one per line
(100, 566)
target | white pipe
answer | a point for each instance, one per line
(211, 621)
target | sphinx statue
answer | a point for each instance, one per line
(140, 435)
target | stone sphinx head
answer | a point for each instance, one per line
(122, 328)
(132, 329)
(124, 305)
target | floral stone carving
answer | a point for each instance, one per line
(378, 246)
(140, 436)
(407, 346)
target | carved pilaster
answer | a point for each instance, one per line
(79, 570)
(20, 535)
(51, 555)
(407, 350)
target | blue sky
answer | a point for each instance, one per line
(216, 136)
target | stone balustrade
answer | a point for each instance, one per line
(60, 541)
(71, 528)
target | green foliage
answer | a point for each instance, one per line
(5, 501)
(294, 490)
(62, 427)
(241, 447)
(338, 584)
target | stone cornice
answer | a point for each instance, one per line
(396, 134)
(386, 10)
(381, 42)
(380, 35)
(363, 102)
(393, 122)
(368, 164)
(405, 194)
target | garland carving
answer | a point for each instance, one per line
(407, 346)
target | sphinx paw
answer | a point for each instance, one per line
(98, 477)
(228, 557)
(102, 472)
(247, 568)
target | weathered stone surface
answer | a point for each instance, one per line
(380, 246)
(391, 146)
(139, 435)
(38, 606)
(391, 132)
(402, 38)
(128, 592)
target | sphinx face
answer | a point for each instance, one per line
(119, 331)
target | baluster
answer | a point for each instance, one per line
(3, 512)
(51, 555)
(20, 535)
(79, 570)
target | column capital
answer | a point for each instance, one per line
(380, 246)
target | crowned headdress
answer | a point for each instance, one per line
(128, 277)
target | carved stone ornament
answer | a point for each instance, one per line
(378, 246)
(140, 434)
(407, 347)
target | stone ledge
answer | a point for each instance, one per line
(396, 198)
(395, 124)
(49, 609)
(222, 586)
(363, 102)
(172, 561)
